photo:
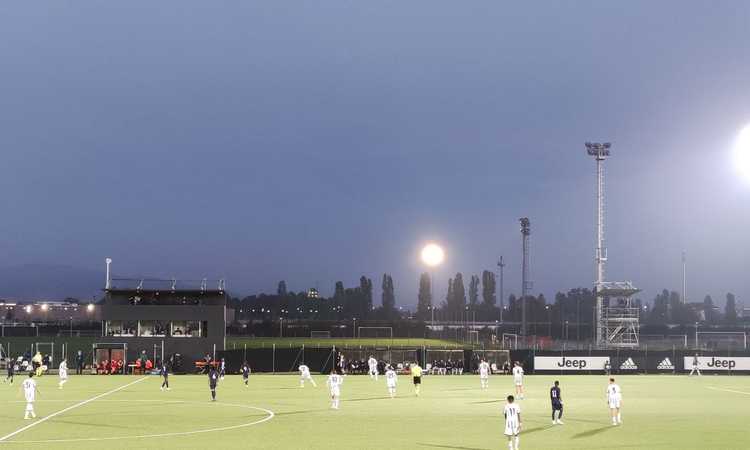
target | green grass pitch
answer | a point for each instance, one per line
(659, 412)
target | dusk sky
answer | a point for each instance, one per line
(322, 140)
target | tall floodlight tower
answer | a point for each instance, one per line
(500, 269)
(617, 320)
(600, 152)
(525, 283)
(684, 279)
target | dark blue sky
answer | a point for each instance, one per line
(315, 141)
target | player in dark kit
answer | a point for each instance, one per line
(11, 370)
(213, 378)
(556, 398)
(164, 372)
(245, 372)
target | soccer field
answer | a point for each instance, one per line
(659, 412)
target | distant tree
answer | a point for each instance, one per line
(660, 312)
(730, 309)
(474, 292)
(514, 312)
(708, 309)
(455, 300)
(281, 290)
(338, 292)
(424, 298)
(489, 288)
(365, 285)
(389, 296)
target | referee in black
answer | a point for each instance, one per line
(213, 378)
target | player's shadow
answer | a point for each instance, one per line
(534, 430)
(486, 401)
(449, 446)
(590, 433)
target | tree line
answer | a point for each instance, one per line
(478, 303)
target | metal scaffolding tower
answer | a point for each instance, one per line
(617, 319)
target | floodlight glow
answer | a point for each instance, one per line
(432, 255)
(90, 307)
(742, 152)
(45, 307)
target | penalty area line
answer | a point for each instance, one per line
(727, 390)
(62, 411)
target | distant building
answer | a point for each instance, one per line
(313, 293)
(47, 311)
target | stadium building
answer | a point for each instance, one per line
(163, 318)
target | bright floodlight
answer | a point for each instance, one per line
(432, 255)
(742, 152)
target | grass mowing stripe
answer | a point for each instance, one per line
(46, 418)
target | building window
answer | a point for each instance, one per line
(120, 328)
(186, 328)
(152, 328)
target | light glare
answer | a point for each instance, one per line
(432, 255)
(742, 152)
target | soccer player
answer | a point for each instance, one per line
(391, 379)
(484, 374)
(29, 391)
(62, 372)
(245, 372)
(614, 399)
(164, 372)
(695, 366)
(304, 374)
(556, 398)
(416, 374)
(334, 383)
(372, 363)
(213, 378)
(512, 415)
(518, 379)
(222, 369)
(11, 368)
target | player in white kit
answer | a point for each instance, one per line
(29, 391)
(484, 374)
(304, 374)
(614, 400)
(372, 364)
(518, 379)
(62, 372)
(391, 380)
(512, 415)
(334, 383)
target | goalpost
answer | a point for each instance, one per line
(320, 334)
(721, 340)
(510, 341)
(375, 332)
(473, 337)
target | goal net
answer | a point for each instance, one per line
(717, 340)
(375, 332)
(320, 334)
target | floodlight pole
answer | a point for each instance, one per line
(600, 153)
(684, 279)
(525, 232)
(501, 266)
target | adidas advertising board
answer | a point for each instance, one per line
(718, 363)
(628, 364)
(665, 364)
(570, 363)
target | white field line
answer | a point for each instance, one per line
(270, 415)
(728, 390)
(62, 411)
